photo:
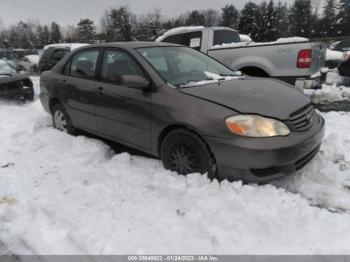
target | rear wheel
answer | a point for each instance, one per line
(185, 152)
(61, 120)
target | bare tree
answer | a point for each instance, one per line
(211, 17)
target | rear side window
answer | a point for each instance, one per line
(46, 53)
(225, 37)
(84, 63)
(193, 39)
(116, 64)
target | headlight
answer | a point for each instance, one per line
(256, 126)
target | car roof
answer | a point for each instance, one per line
(132, 44)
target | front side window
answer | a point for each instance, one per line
(59, 54)
(84, 64)
(117, 64)
(184, 65)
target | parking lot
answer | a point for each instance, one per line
(63, 194)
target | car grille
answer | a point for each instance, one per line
(303, 119)
(11, 86)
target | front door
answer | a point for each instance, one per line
(122, 113)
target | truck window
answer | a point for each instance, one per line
(225, 37)
(192, 39)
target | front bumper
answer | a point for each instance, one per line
(18, 94)
(263, 159)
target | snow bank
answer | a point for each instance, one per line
(332, 91)
(178, 30)
(61, 194)
(326, 181)
(329, 94)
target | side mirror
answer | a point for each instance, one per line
(134, 81)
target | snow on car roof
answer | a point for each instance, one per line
(71, 46)
(177, 30)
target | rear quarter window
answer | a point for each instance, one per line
(192, 39)
(225, 37)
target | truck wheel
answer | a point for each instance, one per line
(61, 120)
(185, 152)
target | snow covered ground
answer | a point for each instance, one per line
(61, 194)
(336, 90)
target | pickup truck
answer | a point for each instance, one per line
(297, 61)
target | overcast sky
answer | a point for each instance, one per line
(70, 11)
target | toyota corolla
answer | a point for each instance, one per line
(186, 108)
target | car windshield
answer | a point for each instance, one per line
(5, 68)
(185, 67)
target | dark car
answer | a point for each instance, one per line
(14, 85)
(54, 53)
(188, 109)
(342, 46)
(344, 67)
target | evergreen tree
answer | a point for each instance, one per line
(343, 23)
(282, 21)
(230, 16)
(149, 26)
(40, 37)
(55, 33)
(262, 23)
(329, 20)
(248, 23)
(86, 31)
(46, 35)
(302, 21)
(195, 18)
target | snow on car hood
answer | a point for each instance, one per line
(266, 97)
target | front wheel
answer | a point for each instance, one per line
(185, 152)
(61, 120)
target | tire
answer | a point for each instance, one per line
(61, 120)
(185, 152)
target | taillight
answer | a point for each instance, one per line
(304, 58)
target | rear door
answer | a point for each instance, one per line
(122, 113)
(78, 88)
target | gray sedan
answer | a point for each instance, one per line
(190, 110)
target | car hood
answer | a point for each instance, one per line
(262, 96)
(11, 77)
